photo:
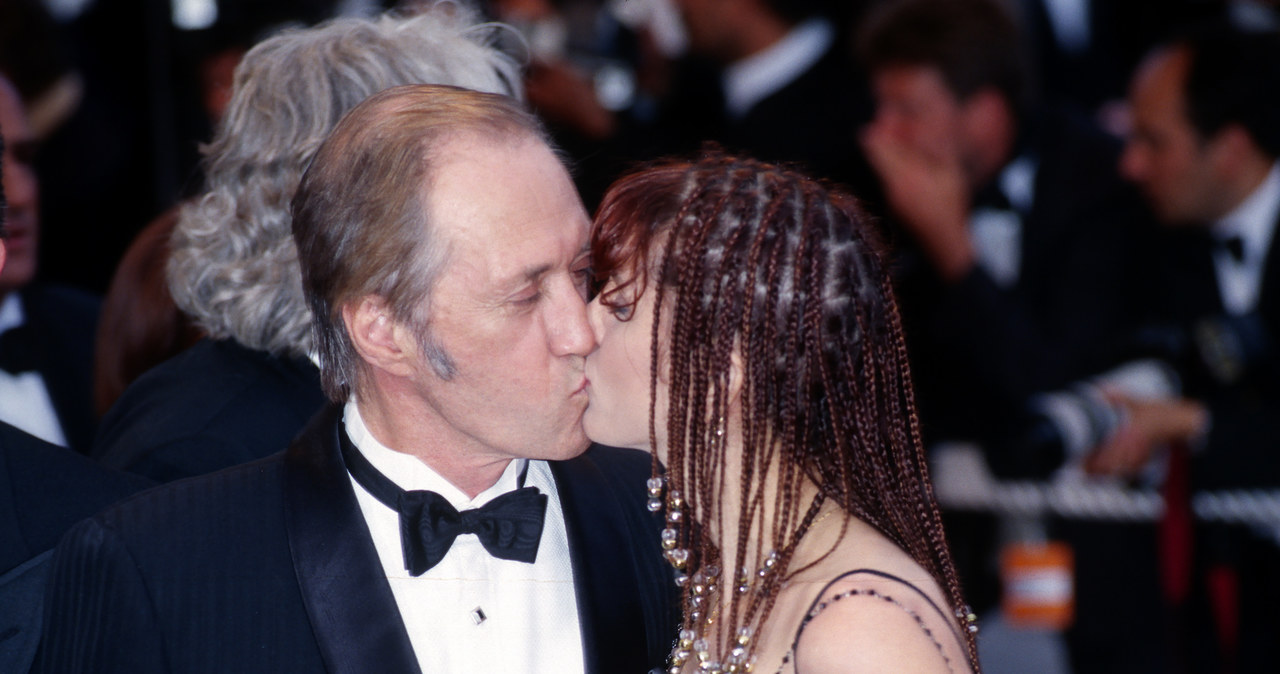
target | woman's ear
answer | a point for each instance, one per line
(382, 341)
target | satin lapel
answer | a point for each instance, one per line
(352, 611)
(1197, 288)
(608, 590)
(13, 544)
(1269, 297)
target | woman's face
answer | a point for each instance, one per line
(618, 371)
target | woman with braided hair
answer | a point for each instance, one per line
(749, 337)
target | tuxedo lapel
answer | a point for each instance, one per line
(620, 594)
(1269, 297)
(63, 363)
(347, 597)
(1191, 283)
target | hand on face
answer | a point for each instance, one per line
(914, 145)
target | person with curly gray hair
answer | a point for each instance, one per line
(246, 390)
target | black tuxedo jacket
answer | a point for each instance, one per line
(44, 490)
(63, 324)
(216, 405)
(1243, 445)
(269, 567)
(812, 121)
(1241, 451)
(980, 350)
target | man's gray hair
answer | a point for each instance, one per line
(234, 265)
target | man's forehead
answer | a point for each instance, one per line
(504, 204)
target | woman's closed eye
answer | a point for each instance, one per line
(622, 311)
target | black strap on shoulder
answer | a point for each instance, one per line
(946, 618)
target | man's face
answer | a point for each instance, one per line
(915, 108)
(1174, 166)
(21, 189)
(915, 104)
(509, 307)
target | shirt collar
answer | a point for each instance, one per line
(1018, 182)
(409, 472)
(1254, 219)
(755, 78)
(11, 314)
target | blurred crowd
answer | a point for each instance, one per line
(1079, 198)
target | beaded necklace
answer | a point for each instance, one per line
(702, 590)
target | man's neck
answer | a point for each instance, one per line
(994, 151)
(757, 35)
(1248, 180)
(394, 420)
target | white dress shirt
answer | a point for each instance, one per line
(759, 76)
(473, 613)
(1254, 221)
(24, 398)
(996, 234)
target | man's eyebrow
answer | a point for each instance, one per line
(534, 273)
(537, 272)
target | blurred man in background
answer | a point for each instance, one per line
(46, 333)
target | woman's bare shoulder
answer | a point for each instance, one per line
(869, 621)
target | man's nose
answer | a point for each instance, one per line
(20, 186)
(570, 330)
(1133, 162)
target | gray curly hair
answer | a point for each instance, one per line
(234, 265)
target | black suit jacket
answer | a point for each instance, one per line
(1241, 451)
(44, 490)
(1243, 446)
(63, 324)
(269, 567)
(812, 121)
(980, 350)
(216, 405)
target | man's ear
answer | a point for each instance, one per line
(985, 109)
(1231, 149)
(382, 341)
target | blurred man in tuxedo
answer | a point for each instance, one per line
(1017, 248)
(1206, 152)
(46, 333)
(451, 326)
(44, 489)
(773, 79)
(1017, 223)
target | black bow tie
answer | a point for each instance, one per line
(17, 353)
(509, 526)
(992, 197)
(1234, 245)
